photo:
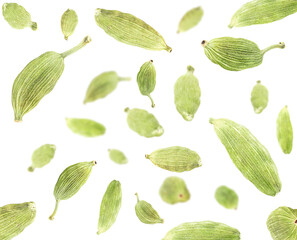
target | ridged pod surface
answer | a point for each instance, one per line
(42, 156)
(284, 130)
(259, 97)
(69, 21)
(117, 156)
(226, 197)
(85, 127)
(190, 19)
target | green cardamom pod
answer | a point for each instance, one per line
(17, 16)
(110, 206)
(187, 95)
(146, 79)
(235, 54)
(262, 11)
(190, 19)
(38, 79)
(117, 156)
(226, 197)
(250, 157)
(259, 97)
(144, 123)
(85, 127)
(129, 29)
(42, 156)
(285, 131)
(14, 218)
(175, 159)
(102, 85)
(69, 22)
(146, 213)
(174, 190)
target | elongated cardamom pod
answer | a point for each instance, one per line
(259, 97)
(226, 197)
(285, 131)
(69, 22)
(85, 127)
(129, 29)
(146, 79)
(190, 19)
(17, 16)
(262, 11)
(235, 54)
(102, 85)
(14, 218)
(187, 95)
(42, 156)
(250, 157)
(38, 79)
(146, 213)
(110, 206)
(175, 159)
(70, 181)
(117, 156)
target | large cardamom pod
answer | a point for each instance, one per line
(190, 19)
(250, 157)
(284, 130)
(69, 22)
(117, 156)
(235, 54)
(42, 156)
(85, 127)
(259, 97)
(226, 197)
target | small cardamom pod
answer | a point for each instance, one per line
(85, 127)
(69, 22)
(117, 156)
(226, 197)
(42, 156)
(190, 19)
(285, 131)
(259, 97)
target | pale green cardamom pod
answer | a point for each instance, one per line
(190, 19)
(174, 190)
(146, 213)
(38, 79)
(17, 16)
(129, 29)
(146, 80)
(250, 157)
(42, 156)
(14, 218)
(259, 97)
(70, 181)
(110, 206)
(117, 156)
(85, 127)
(285, 131)
(69, 22)
(226, 197)
(187, 95)
(175, 159)
(235, 54)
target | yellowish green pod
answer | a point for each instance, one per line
(226, 197)
(42, 156)
(259, 97)
(190, 19)
(69, 22)
(117, 156)
(85, 127)
(284, 130)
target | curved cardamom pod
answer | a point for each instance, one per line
(42, 156)
(117, 156)
(129, 29)
(285, 131)
(69, 22)
(38, 79)
(110, 206)
(175, 159)
(235, 54)
(17, 16)
(226, 197)
(14, 218)
(190, 19)
(250, 157)
(85, 127)
(259, 97)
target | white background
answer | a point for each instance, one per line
(224, 94)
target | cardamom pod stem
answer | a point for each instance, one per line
(279, 45)
(124, 79)
(55, 210)
(84, 42)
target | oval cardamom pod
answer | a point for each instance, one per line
(117, 156)
(38, 79)
(70, 181)
(110, 206)
(187, 95)
(259, 97)
(190, 19)
(235, 54)
(226, 197)
(85, 127)
(42, 156)
(250, 157)
(285, 131)
(14, 218)
(17, 16)
(69, 22)
(175, 159)
(146, 213)
(129, 29)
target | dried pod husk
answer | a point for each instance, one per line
(175, 159)
(259, 97)
(38, 79)
(85, 127)
(129, 29)
(42, 156)
(110, 206)
(69, 21)
(226, 197)
(250, 157)
(117, 156)
(235, 54)
(284, 130)
(14, 218)
(190, 19)
(70, 181)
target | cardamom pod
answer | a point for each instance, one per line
(144, 123)
(235, 54)
(146, 213)
(17, 16)
(38, 79)
(285, 131)
(250, 157)
(187, 95)
(69, 22)
(259, 97)
(146, 79)
(85, 127)
(117, 156)
(110, 206)
(14, 218)
(42, 156)
(190, 19)
(129, 29)
(175, 159)
(70, 181)
(174, 190)
(226, 197)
